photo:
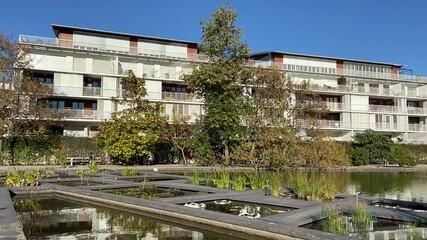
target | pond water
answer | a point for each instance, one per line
(151, 192)
(244, 209)
(378, 229)
(148, 179)
(60, 219)
(79, 183)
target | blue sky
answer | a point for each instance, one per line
(392, 31)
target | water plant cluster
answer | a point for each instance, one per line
(23, 179)
(303, 184)
(316, 189)
(129, 172)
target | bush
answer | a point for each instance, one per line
(359, 156)
(377, 145)
(402, 156)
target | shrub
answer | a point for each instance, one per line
(23, 179)
(377, 145)
(129, 172)
(402, 156)
(359, 156)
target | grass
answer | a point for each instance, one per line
(275, 184)
(361, 218)
(239, 182)
(129, 172)
(258, 180)
(334, 221)
(222, 180)
(313, 189)
(195, 177)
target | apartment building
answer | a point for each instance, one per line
(84, 67)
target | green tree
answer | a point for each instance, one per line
(131, 135)
(181, 133)
(220, 81)
(359, 156)
(24, 108)
(377, 145)
(402, 156)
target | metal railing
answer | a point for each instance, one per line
(83, 114)
(43, 41)
(349, 72)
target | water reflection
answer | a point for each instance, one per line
(59, 219)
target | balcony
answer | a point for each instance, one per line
(83, 114)
(417, 111)
(54, 42)
(184, 97)
(385, 109)
(192, 118)
(350, 73)
(335, 106)
(417, 127)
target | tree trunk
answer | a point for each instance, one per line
(12, 151)
(226, 156)
(184, 159)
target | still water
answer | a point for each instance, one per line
(60, 219)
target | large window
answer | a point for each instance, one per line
(44, 78)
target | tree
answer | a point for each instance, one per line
(24, 105)
(402, 156)
(377, 145)
(220, 82)
(181, 134)
(131, 135)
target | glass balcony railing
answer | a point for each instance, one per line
(43, 41)
(83, 114)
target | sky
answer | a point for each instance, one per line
(392, 31)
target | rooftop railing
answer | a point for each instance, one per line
(351, 73)
(43, 41)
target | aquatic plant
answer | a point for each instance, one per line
(360, 219)
(239, 181)
(129, 172)
(23, 179)
(413, 231)
(208, 177)
(222, 180)
(93, 166)
(82, 173)
(275, 184)
(314, 189)
(257, 179)
(334, 221)
(195, 177)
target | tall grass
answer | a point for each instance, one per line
(275, 184)
(195, 177)
(334, 221)
(361, 219)
(129, 172)
(258, 180)
(222, 180)
(239, 181)
(314, 189)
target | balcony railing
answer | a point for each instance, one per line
(350, 73)
(175, 96)
(417, 127)
(385, 109)
(43, 41)
(83, 114)
(416, 111)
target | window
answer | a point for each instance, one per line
(43, 78)
(78, 105)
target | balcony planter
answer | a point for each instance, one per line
(342, 81)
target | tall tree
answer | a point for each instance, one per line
(220, 81)
(24, 106)
(130, 135)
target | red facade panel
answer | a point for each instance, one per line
(192, 51)
(133, 45)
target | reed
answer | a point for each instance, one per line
(222, 180)
(361, 219)
(239, 181)
(275, 184)
(257, 179)
(300, 185)
(195, 177)
(334, 221)
(129, 172)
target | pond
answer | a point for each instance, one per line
(62, 219)
(147, 179)
(79, 183)
(244, 209)
(379, 228)
(151, 192)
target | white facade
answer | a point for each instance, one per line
(86, 66)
